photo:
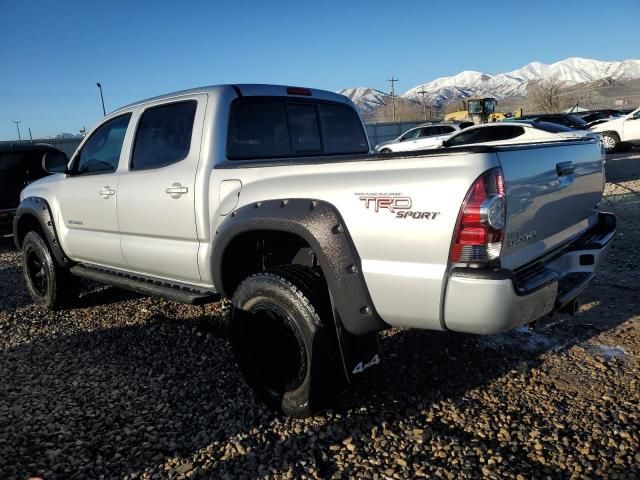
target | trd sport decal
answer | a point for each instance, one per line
(395, 203)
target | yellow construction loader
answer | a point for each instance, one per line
(480, 110)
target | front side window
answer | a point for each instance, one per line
(410, 135)
(101, 151)
(164, 135)
(466, 137)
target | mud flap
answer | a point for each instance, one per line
(360, 353)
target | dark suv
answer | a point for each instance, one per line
(20, 164)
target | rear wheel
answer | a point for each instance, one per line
(284, 339)
(49, 285)
(611, 141)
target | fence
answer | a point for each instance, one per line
(384, 132)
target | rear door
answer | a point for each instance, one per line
(553, 193)
(156, 209)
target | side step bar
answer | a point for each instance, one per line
(145, 285)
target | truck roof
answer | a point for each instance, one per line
(249, 90)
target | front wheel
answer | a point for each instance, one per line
(49, 285)
(284, 339)
(385, 150)
(611, 141)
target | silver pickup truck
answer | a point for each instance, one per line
(269, 195)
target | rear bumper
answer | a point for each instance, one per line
(489, 301)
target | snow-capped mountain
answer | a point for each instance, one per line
(465, 84)
(367, 99)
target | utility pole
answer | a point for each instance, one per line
(393, 95)
(30, 136)
(104, 112)
(424, 105)
(17, 122)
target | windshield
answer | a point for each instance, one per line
(475, 106)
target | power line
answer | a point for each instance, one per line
(393, 95)
(17, 122)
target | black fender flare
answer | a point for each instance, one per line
(41, 210)
(320, 224)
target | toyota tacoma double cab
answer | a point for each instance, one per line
(270, 196)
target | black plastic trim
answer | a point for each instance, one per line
(321, 226)
(146, 285)
(40, 209)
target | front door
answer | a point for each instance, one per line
(156, 202)
(87, 198)
(631, 132)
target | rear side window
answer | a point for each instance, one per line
(272, 128)
(164, 135)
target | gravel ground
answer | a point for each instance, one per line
(123, 386)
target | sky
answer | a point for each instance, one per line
(53, 53)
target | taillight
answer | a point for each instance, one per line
(480, 229)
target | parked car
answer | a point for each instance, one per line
(621, 132)
(423, 136)
(269, 195)
(20, 164)
(514, 132)
(566, 119)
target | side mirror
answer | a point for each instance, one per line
(55, 162)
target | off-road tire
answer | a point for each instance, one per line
(611, 141)
(284, 339)
(49, 285)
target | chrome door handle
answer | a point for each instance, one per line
(176, 190)
(106, 192)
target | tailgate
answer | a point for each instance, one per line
(553, 193)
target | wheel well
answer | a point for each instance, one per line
(612, 133)
(259, 250)
(26, 224)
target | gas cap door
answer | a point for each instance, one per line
(229, 196)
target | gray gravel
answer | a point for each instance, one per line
(123, 386)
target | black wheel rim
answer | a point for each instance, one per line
(278, 349)
(37, 272)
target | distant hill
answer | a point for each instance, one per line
(576, 75)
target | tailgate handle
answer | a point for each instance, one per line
(564, 168)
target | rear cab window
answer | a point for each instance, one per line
(279, 127)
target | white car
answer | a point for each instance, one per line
(621, 131)
(423, 136)
(513, 132)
